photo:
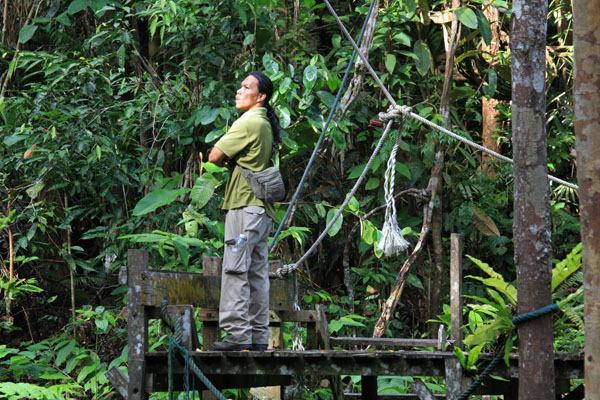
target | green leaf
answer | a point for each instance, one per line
(353, 205)
(157, 198)
(423, 61)
(390, 62)
(203, 190)
(487, 332)
(284, 116)
(484, 27)
(26, 33)
(209, 116)
(403, 170)
(249, 39)
(64, 352)
(338, 138)
(414, 281)
(496, 280)
(372, 183)
(327, 98)
(310, 76)
(101, 323)
(335, 228)
(13, 139)
(320, 209)
(356, 171)
(467, 17)
(474, 355)
(77, 5)
(566, 267)
(490, 89)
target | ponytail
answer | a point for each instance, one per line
(274, 120)
(265, 85)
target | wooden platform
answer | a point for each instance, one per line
(194, 297)
(276, 367)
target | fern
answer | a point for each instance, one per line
(17, 391)
(575, 318)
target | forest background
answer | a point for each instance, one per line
(108, 110)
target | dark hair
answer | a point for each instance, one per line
(265, 86)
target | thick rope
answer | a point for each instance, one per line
(418, 117)
(516, 321)
(175, 343)
(392, 242)
(286, 269)
(325, 127)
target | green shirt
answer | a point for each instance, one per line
(248, 142)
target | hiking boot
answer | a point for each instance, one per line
(229, 346)
(259, 347)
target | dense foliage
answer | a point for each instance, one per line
(109, 107)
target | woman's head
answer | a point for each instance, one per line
(265, 86)
(260, 90)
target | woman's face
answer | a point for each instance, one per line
(248, 96)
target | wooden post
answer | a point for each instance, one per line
(211, 266)
(369, 387)
(137, 337)
(456, 302)
(453, 367)
(586, 90)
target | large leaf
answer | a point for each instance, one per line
(203, 190)
(156, 199)
(484, 223)
(423, 61)
(496, 280)
(26, 33)
(484, 27)
(467, 17)
(390, 62)
(488, 332)
(76, 6)
(335, 228)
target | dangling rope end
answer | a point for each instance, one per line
(392, 242)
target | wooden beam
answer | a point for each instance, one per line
(137, 321)
(388, 342)
(119, 380)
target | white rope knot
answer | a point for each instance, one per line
(283, 271)
(395, 112)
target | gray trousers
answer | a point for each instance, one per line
(244, 306)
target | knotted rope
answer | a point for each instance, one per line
(176, 344)
(392, 242)
(286, 269)
(516, 321)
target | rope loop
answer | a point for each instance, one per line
(395, 112)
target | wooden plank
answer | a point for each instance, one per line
(391, 396)
(137, 320)
(119, 380)
(390, 342)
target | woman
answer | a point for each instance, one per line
(244, 305)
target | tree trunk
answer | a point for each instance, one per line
(586, 89)
(531, 228)
(436, 224)
(489, 113)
